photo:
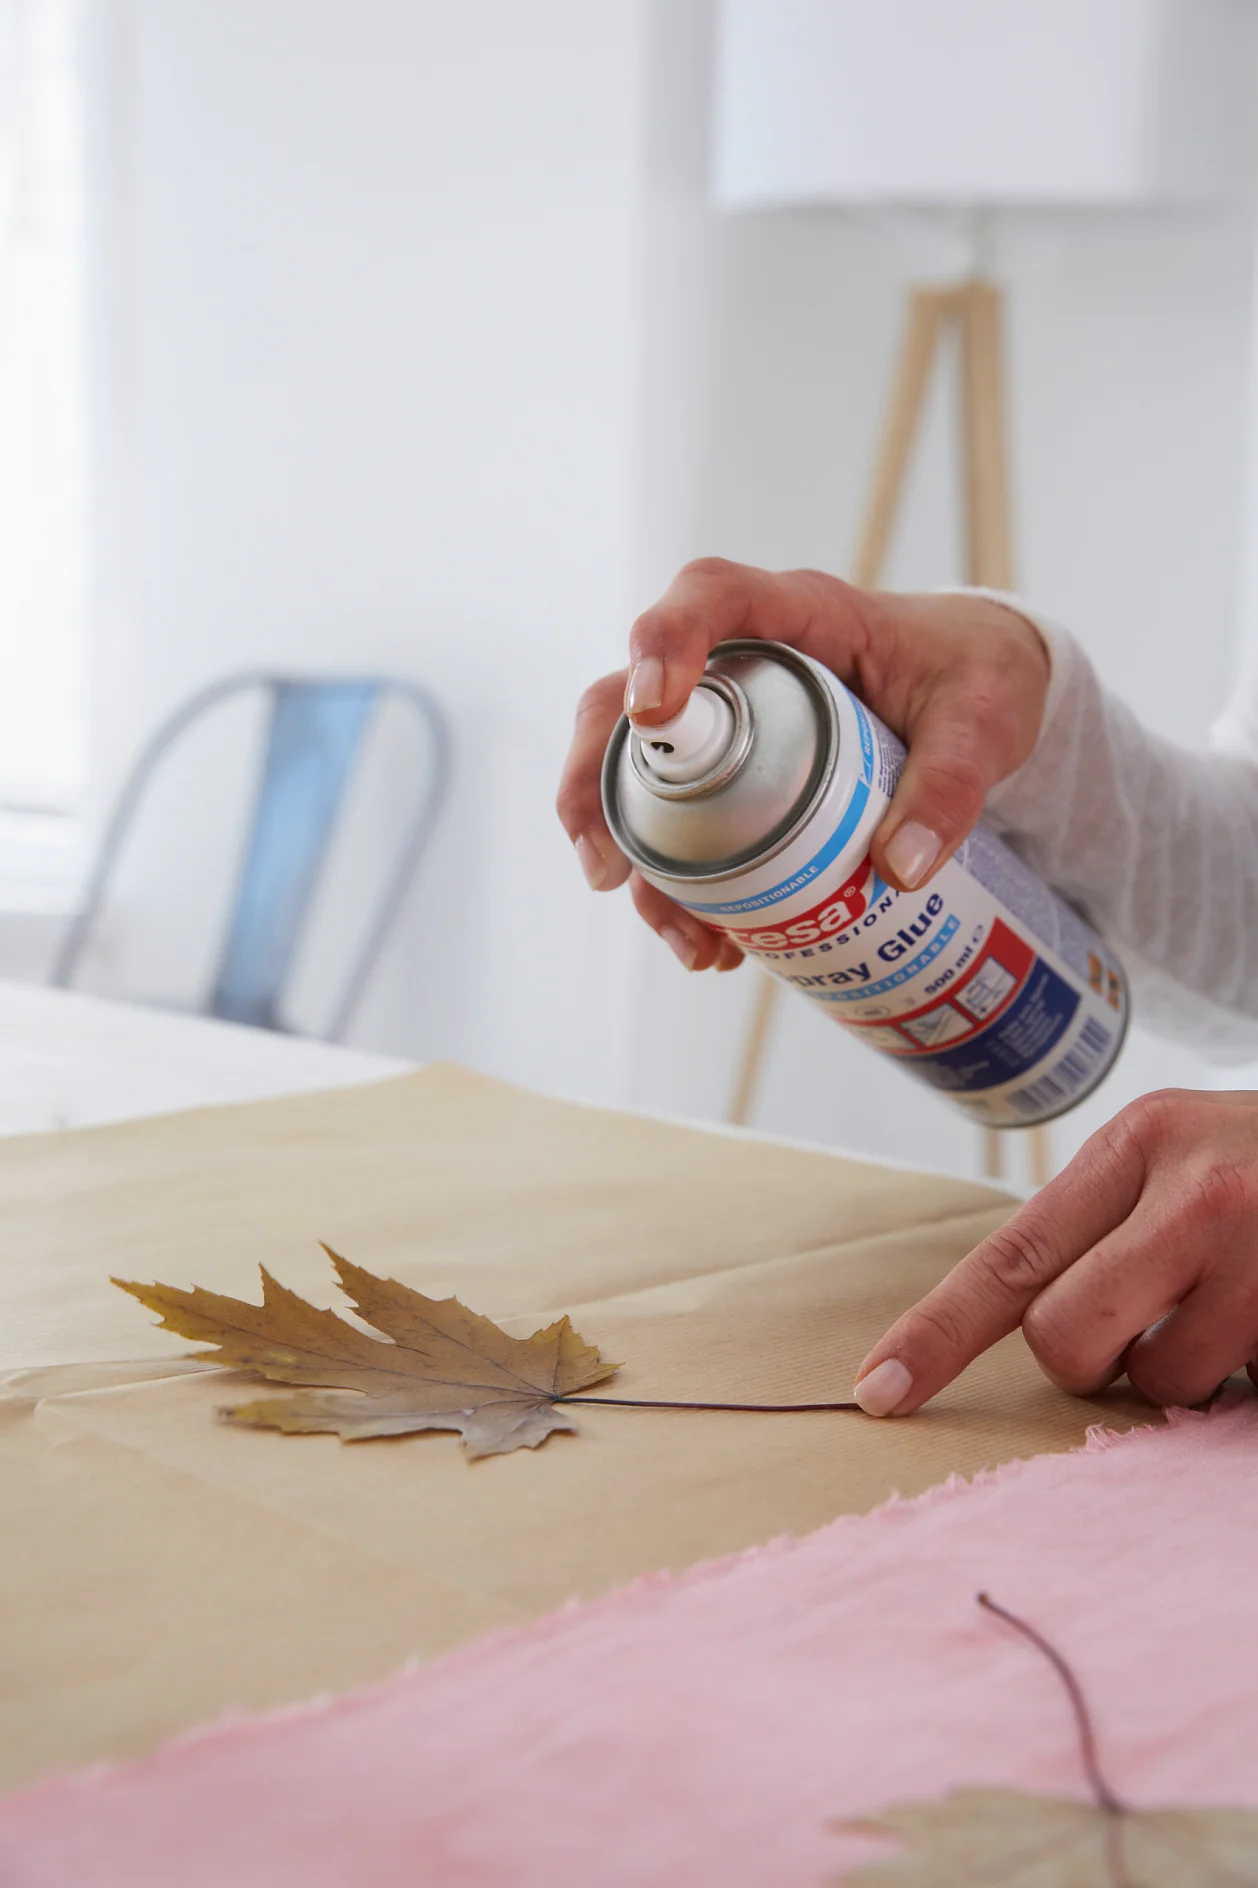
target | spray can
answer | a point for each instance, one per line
(755, 807)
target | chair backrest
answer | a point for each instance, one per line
(314, 738)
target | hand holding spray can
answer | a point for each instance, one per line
(755, 808)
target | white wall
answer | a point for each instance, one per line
(426, 351)
(371, 295)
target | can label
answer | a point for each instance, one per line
(985, 984)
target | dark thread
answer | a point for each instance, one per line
(1106, 1797)
(765, 1409)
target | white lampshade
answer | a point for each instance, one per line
(1057, 103)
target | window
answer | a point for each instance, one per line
(43, 511)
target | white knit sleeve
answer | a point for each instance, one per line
(1156, 845)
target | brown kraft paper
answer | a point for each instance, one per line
(161, 1568)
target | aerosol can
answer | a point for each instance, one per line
(755, 807)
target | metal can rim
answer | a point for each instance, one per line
(779, 838)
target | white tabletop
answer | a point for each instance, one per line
(70, 1061)
(74, 1061)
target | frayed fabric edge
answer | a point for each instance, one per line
(239, 1725)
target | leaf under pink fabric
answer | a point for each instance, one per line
(713, 1727)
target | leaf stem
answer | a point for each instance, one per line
(1106, 1797)
(637, 1402)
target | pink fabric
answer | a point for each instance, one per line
(710, 1728)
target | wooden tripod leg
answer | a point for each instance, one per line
(989, 541)
(985, 472)
(928, 309)
(1039, 1153)
(751, 1063)
(984, 482)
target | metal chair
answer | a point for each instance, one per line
(314, 738)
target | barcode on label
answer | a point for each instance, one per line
(1067, 1078)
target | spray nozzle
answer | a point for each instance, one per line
(692, 743)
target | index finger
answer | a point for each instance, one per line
(987, 1295)
(710, 601)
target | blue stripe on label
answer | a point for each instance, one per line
(807, 873)
(828, 853)
(867, 741)
(1034, 1023)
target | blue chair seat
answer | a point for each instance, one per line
(315, 737)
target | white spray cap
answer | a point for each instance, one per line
(692, 743)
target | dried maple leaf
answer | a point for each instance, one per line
(437, 1366)
(1011, 1839)
(1008, 1839)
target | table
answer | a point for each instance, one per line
(162, 1568)
(68, 1060)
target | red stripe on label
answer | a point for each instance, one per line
(999, 972)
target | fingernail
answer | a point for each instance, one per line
(680, 945)
(646, 686)
(912, 851)
(884, 1389)
(591, 860)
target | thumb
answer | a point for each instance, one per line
(953, 760)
